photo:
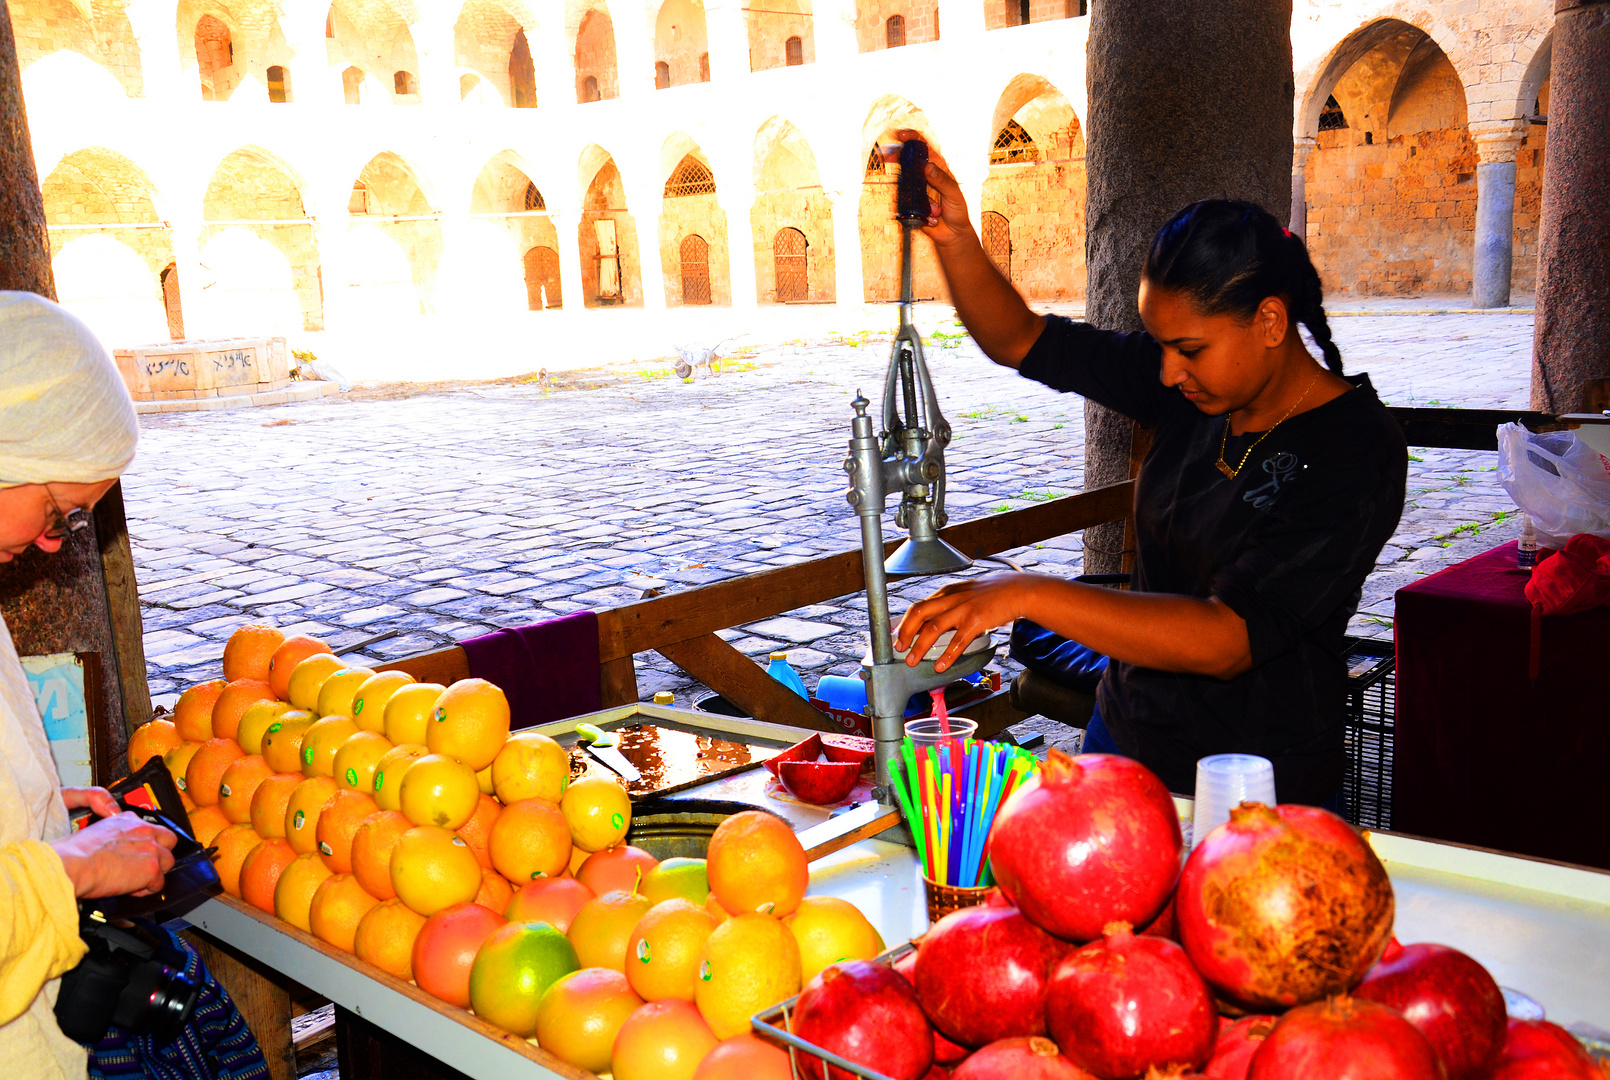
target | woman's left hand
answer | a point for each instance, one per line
(968, 607)
(97, 799)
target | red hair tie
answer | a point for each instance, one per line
(1287, 232)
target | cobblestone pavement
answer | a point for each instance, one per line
(441, 513)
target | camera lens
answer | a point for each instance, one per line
(158, 999)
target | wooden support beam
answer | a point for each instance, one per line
(745, 683)
(617, 682)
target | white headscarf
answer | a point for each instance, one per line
(65, 415)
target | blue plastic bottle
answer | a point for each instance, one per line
(780, 670)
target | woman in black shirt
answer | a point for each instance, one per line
(1271, 485)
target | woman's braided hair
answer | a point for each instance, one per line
(1229, 257)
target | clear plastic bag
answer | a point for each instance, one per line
(1558, 479)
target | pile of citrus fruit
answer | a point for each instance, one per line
(402, 822)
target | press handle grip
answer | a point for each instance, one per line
(911, 201)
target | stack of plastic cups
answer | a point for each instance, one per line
(1225, 781)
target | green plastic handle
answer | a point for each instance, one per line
(594, 735)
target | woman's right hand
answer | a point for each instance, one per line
(947, 219)
(117, 856)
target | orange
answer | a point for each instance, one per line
(239, 786)
(284, 661)
(232, 704)
(513, 969)
(756, 863)
(530, 766)
(369, 702)
(338, 907)
(385, 937)
(322, 739)
(408, 712)
(622, 867)
(432, 869)
(151, 739)
(302, 811)
(178, 762)
(675, 877)
(599, 812)
(828, 930)
(355, 760)
(665, 950)
(477, 831)
(249, 650)
(206, 822)
(293, 894)
(338, 823)
(192, 714)
(578, 859)
(269, 802)
(750, 963)
(438, 790)
(663, 1040)
(233, 844)
(470, 721)
(530, 840)
(745, 1057)
(371, 851)
(603, 926)
(550, 900)
(337, 691)
(282, 742)
(444, 951)
(204, 776)
(389, 773)
(255, 720)
(496, 892)
(713, 906)
(261, 870)
(483, 780)
(581, 1014)
(308, 678)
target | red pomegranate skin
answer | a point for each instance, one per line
(1032, 1058)
(946, 1052)
(1233, 1050)
(1452, 1000)
(982, 974)
(1539, 1050)
(1127, 1003)
(938, 1072)
(1283, 905)
(1344, 1038)
(864, 1012)
(1163, 926)
(1087, 842)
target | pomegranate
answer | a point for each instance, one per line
(864, 1012)
(906, 966)
(1344, 1038)
(1126, 1003)
(807, 749)
(1452, 1000)
(1087, 842)
(1232, 1052)
(982, 974)
(1283, 905)
(938, 1072)
(856, 748)
(1163, 925)
(821, 783)
(947, 1052)
(1032, 1058)
(1539, 1050)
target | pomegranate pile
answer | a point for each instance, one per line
(1268, 956)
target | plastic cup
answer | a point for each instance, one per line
(1224, 781)
(926, 732)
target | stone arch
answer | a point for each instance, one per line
(492, 40)
(1037, 189)
(689, 207)
(395, 204)
(772, 26)
(229, 45)
(1322, 76)
(789, 195)
(100, 33)
(591, 33)
(611, 269)
(374, 36)
(680, 40)
(255, 191)
(880, 232)
(506, 195)
(1537, 74)
(70, 81)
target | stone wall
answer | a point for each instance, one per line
(249, 187)
(483, 39)
(681, 41)
(999, 14)
(686, 215)
(43, 27)
(871, 18)
(595, 54)
(770, 27)
(606, 198)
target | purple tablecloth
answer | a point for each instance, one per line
(549, 670)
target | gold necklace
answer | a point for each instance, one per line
(1224, 466)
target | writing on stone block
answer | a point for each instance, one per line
(172, 366)
(238, 360)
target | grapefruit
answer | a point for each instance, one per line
(470, 722)
(496, 892)
(408, 712)
(204, 775)
(238, 786)
(338, 823)
(662, 1040)
(581, 1014)
(248, 651)
(619, 867)
(192, 713)
(282, 742)
(320, 742)
(828, 930)
(529, 840)
(232, 703)
(260, 872)
(601, 929)
(308, 678)
(432, 869)
(294, 891)
(178, 761)
(151, 739)
(356, 759)
(598, 812)
(337, 692)
(206, 822)
(385, 937)
(269, 801)
(750, 963)
(438, 790)
(756, 863)
(677, 877)
(549, 900)
(339, 905)
(444, 951)
(233, 844)
(389, 773)
(666, 948)
(513, 969)
(369, 702)
(284, 660)
(371, 851)
(255, 720)
(530, 766)
(308, 799)
(745, 1057)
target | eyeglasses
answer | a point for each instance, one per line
(59, 525)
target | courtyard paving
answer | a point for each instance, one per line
(441, 512)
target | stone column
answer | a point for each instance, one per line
(24, 245)
(185, 235)
(311, 80)
(842, 186)
(736, 198)
(1572, 342)
(1496, 144)
(162, 73)
(1189, 99)
(644, 200)
(1301, 147)
(728, 39)
(833, 30)
(433, 44)
(572, 280)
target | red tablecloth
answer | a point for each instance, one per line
(1484, 754)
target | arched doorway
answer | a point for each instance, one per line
(792, 272)
(542, 278)
(695, 270)
(998, 242)
(1034, 193)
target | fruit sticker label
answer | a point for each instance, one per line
(642, 950)
(458, 841)
(296, 821)
(441, 715)
(307, 755)
(223, 789)
(325, 849)
(617, 821)
(275, 726)
(704, 971)
(380, 779)
(357, 707)
(352, 778)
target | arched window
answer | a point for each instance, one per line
(541, 277)
(215, 55)
(690, 177)
(788, 259)
(358, 201)
(404, 82)
(276, 85)
(998, 242)
(704, 67)
(875, 165)
(1331, 117)
(352, 85)
(533, 198)
(793, 52)
(522, 74)
(589, 88)
(1013, 145)
(662, 75)
(695, 270)
(894, 32)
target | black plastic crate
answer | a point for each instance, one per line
(1368, 730)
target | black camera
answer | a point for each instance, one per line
(132, 977)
